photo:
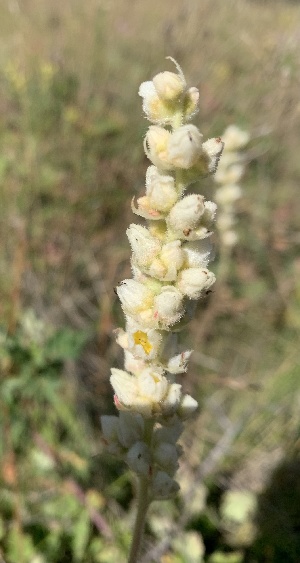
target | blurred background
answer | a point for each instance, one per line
(71, 159)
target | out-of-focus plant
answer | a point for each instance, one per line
(230, 171)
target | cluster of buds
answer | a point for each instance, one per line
(228, 175)
(170, 259)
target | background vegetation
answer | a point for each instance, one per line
(71, 158)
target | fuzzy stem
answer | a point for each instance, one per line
(138, 533)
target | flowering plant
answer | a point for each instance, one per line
(170, 259)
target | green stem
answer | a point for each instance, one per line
(143, 503)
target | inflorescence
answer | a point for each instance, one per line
(170, 258)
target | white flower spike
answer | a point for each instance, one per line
(169, 263)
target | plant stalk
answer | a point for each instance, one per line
(138, 533)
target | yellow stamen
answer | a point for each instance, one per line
(141, 338)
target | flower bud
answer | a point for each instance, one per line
(143, 342)
(186, 213)
(130, 428)
(184, 146)
(124, 385)
(138, 458)
(213, 149)
(160, 190)
(134, 296)
(187, 407)
(170, 260)
(168, 85)
(109, 426)
(172, 399)
(155, 146)
(179, 363)
(193, 281)
(154, 107)
(144, 246)
(166, 455)
(163, 487)
(191, 101)
(168, 306)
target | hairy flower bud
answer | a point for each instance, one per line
(155, 146)
(184, 146)
(134, 296)
(168, 306)
(168, 85)
(194, 281)
(160, 190)
(179, 363)
(138, 458)
(186, 213)
(187, 407)
(144, 246)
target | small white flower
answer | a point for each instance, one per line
(186, 213)
(134, 296)
(144, 246)
(179, 363)
(194, 281)
(138, 458)
(168, 306)
(163, 487)
(184, 146)
(152, 384)
(154, 107)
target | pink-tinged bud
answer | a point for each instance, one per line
(144, 246)
(179, 363)
(134, 296)
(186, 213)
(187, 407)
(138, 458)
(194, 281)
(168, 85)
(184, 146)
(168, 306)
(163, 486)
(155, 146)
